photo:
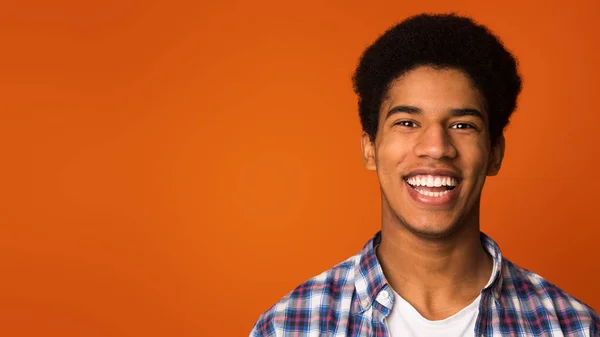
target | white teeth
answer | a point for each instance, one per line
(432, 194)
(432, 181)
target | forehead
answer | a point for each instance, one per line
(434, 89)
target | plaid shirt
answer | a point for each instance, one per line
(348, 300)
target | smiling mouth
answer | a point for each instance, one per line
(434, 186)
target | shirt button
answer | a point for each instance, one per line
(385, 295)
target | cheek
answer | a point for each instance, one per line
(392, 155)
(474, 157)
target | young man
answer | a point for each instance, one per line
(435, 93)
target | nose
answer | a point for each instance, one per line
(435, 142)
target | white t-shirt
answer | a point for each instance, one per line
(405, 321)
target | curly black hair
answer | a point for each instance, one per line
(442, 41)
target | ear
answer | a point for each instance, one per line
(496, 157)
(368, 152)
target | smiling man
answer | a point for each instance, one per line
(435, 94)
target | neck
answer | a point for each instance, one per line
(438, 276)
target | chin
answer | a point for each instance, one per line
(432, 230)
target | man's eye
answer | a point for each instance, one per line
(462, 126)
(408, 124)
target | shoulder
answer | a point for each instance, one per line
(543, 300)
(313, 305)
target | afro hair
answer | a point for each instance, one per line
(441, 41)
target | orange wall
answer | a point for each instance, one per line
(174, 168)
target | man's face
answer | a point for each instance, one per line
(432, 152)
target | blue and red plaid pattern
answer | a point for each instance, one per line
(348, 300)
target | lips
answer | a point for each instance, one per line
(433, 187)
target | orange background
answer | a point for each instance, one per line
(174, 168)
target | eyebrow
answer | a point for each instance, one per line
(416, 111)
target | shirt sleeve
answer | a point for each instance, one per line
(264, 326)
(595, 326)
